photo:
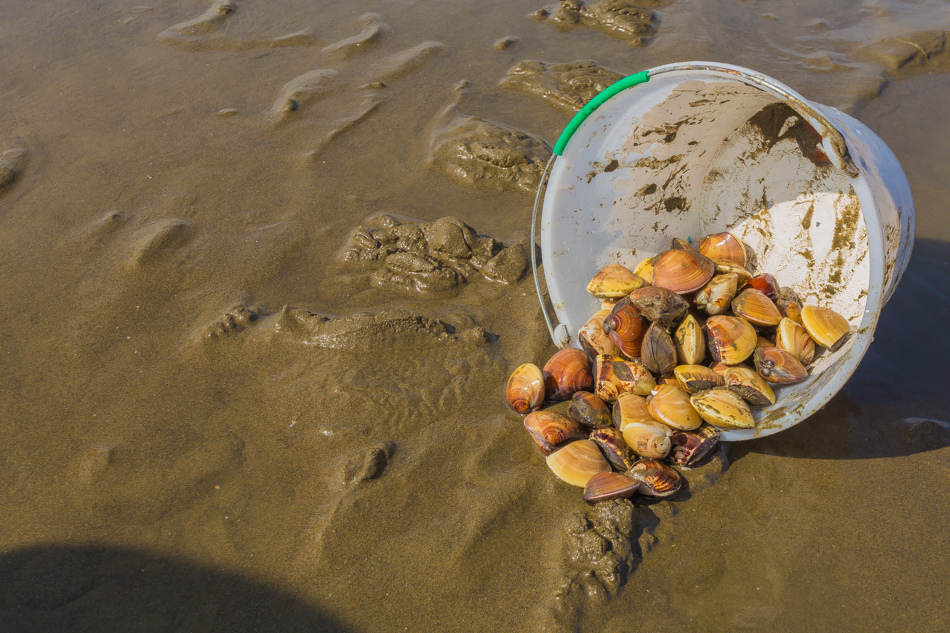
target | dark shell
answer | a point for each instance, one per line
(550, 430)
(659, 305)
(656, 478)
(689, 447)
(764, 283)
(614, 447)
(589, 410)
(658, 351)
(604, 486)
(625, 327)
(778, 366)
(567, 372)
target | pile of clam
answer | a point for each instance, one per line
(641, 399)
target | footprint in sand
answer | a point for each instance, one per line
(204, 32)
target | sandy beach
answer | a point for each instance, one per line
(236, 398)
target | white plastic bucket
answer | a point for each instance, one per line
(690, 152)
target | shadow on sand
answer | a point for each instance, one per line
(73, 589)
(898, 401)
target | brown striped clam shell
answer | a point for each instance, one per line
(613, 446)
(689, 447)
(724, 246)
(550, 430)
(605, 486)
(525, 389)
(656, 478)
(778, 366)
(682, 271)
(567, 372)
(626, 328)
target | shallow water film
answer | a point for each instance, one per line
(264, 272)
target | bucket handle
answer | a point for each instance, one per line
(560, 334)
(596, 102)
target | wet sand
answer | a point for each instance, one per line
(252, 380)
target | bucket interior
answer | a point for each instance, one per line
(685, 157)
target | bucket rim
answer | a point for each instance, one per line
(835, 148)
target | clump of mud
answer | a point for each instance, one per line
(622, 19)
(483, 153)
(424, 257)
(565, 86)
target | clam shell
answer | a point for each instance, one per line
(630, 408)
(550, 430)
(827, 327)
(589, 410)
(793, 338)
(764, 283)
(648, 438)
(778, 366)
(656, 478)
(614, 281)
(678, 244)
(659, 305)
(724, 267)
(724, 246)
(756, 308)
(689, 447)
(645, 270)
(790, 309)
(731, 339)
(690, 341)
(719, 368)
(761, 341)
(626, 328)
(614, 447)
(682, 271)
(723, 409)
(593, 338)
(608, 304)
(605, 486)
(525, 389)
(750, 386)
(567, 372)
(696, 378)
(577, 462)
(614, 375)
(658, 352)
(716, 296)
(671, 380)
(670, 405)
(787, 293)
